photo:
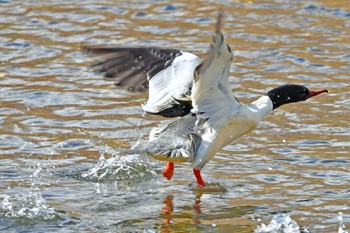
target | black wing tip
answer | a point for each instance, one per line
(219, 24)
(220, 19)
(99, 50)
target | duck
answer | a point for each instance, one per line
(196, 93)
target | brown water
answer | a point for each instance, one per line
(62, 127)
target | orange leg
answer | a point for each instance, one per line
(200, 181)
(169, 170)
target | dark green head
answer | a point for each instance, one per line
(290, 93)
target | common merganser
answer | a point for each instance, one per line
(181, 84)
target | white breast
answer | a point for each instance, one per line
(215, 139)
(232, 126)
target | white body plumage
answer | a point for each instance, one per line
(233, 123)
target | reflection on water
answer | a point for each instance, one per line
(199, 220)
(65, 131)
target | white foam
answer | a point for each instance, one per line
(341, 228)
(281, 223)
(126, 167)
(30, 206)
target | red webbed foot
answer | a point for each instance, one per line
(169, 170)
(200, 181)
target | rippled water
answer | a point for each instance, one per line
(64, 130)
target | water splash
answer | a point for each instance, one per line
(31, 206)
(281, 223)
(341, 228)
(127, 168)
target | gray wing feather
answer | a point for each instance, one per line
(132, 67)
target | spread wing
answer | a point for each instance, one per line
(132, 67)
(166, 73)
(211, 95)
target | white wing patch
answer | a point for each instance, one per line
(211, 95)
(173, 82)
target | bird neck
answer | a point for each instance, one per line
(261, 107)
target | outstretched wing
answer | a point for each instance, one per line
(211, 95)
(132, 67)
(167, 73)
